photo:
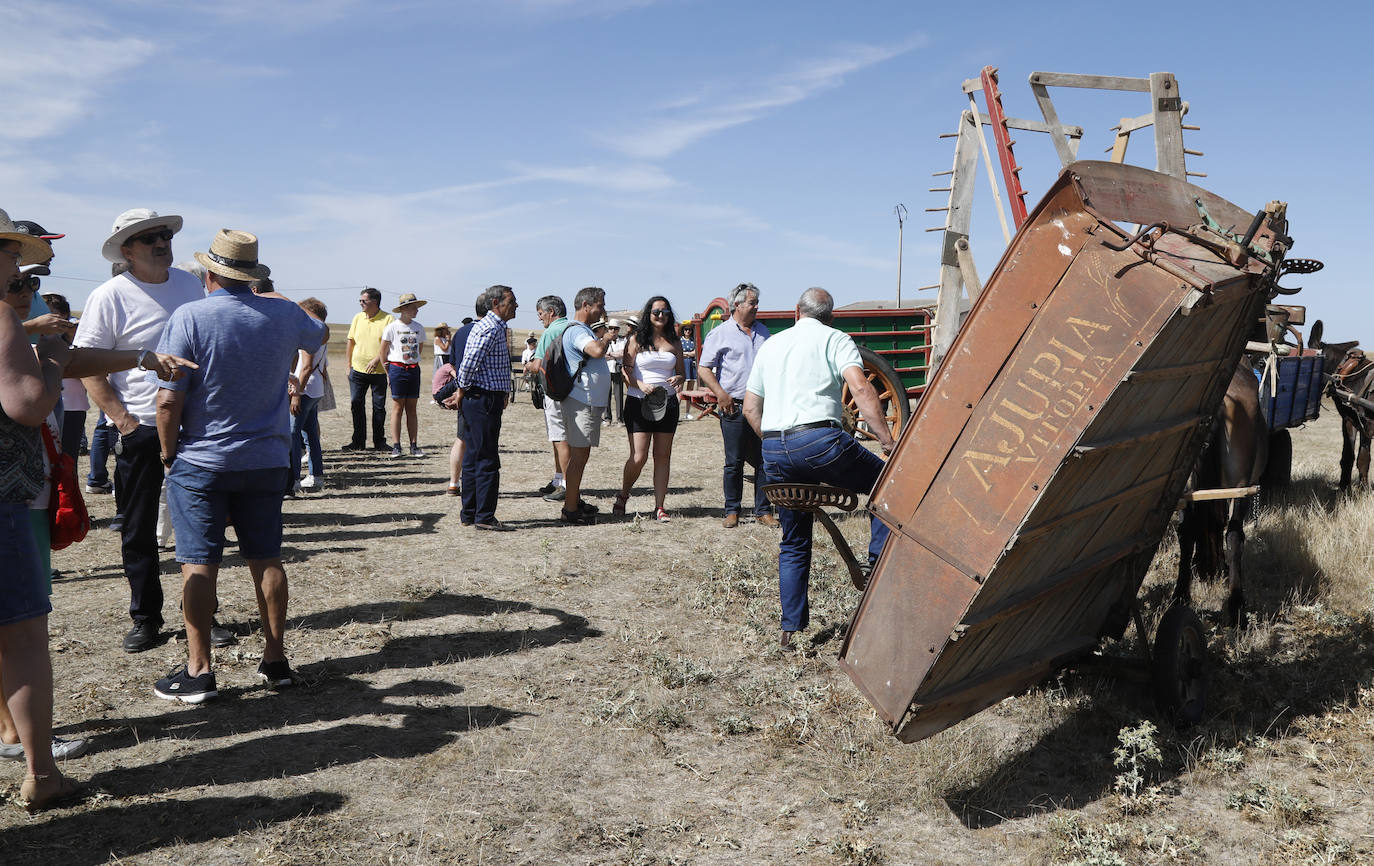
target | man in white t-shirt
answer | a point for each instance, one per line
(582, 410)
(129, 312)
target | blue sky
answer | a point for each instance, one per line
(674, 147)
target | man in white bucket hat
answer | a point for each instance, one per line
(225, 439)
(129, 312)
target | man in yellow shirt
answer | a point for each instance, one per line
(365, 370)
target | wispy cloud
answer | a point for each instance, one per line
(628, 178)
(687, 119)
(58, 62)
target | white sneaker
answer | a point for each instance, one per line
(310, 483)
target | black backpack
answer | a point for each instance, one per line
(558, 383)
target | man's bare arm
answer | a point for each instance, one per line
(723, 400)
(753, 411)
(169, 406)
(869, 407)
(106, 399)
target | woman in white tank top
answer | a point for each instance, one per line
(653, 360)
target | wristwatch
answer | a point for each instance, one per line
(168, 461)
(146, 357)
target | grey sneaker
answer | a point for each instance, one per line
(558, 495)
(107, 487)
(415, 451)
(61, 749)
(395, 451)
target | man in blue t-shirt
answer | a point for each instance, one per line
(224, 432)
(584, 407)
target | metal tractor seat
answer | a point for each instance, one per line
(813, 498)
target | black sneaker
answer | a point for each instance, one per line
(353, 446)
(277, 674)
(579, 518)
(181, 686)
(548, 488)
(142, 636)
(221, 636)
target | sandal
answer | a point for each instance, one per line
(661, 514)
(618, 507)
(35, 799)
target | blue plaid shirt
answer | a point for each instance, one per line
(486, 360)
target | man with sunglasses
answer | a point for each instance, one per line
(129, 312)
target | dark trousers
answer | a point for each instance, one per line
(482, 411)
(138, 483)
(73, 428)
(617, 397)
(742, 446)
(358, 383)
(102, 443)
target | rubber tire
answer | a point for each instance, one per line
(885, 380)
(1178, 666)
(1278, 470)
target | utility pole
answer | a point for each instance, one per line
(900, 211)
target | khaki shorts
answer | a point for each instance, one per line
(553, 420)
(582, 423)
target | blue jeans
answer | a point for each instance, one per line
(102, 443)
(825, 455)
(482, 412)
(358, 383)
(742, 446)
(306, 422)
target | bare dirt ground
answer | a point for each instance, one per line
(613, 694)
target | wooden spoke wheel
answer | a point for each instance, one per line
(892, 398)
(1179, 666)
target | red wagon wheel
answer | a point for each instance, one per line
(891, 396)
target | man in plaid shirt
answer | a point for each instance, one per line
(483, 390)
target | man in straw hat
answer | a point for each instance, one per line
(365, 370)
(129, 312)
(224, 435)
(402, 340)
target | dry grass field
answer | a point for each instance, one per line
(614, 695)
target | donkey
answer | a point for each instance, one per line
(1350, 370)
(1211, 535)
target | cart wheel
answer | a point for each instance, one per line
(891, 396)
(1179, 666)
(1278, 471)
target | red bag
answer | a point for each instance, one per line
(68, 520)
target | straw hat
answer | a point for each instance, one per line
(134, 222)
(407, 300)
(32, 250)
(233, 254)
(442, 326)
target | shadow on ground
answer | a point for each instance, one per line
(115, 832)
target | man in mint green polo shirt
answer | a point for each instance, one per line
(794, 402)
(553, 315)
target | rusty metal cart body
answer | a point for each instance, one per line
(1037, 476)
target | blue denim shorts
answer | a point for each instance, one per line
(23, 592)
(202, 501)
(404, 380)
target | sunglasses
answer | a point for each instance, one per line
(659, 313)
(152, 237)
(23, 284)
